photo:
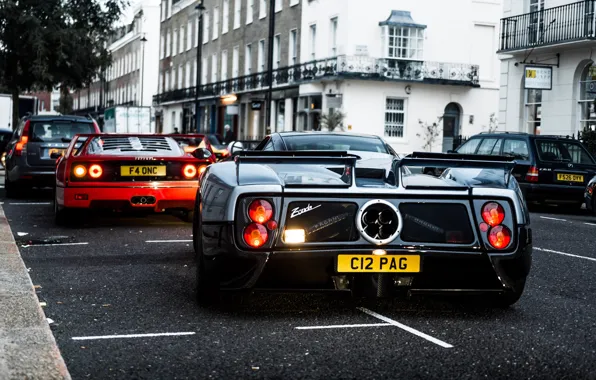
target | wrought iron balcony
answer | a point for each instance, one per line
(551, 26)
(341, 67)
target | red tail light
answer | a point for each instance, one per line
(260, 211)
(499, 237)
(202, 169)
(95, 171)
(532, 174)
(255, 235)
(22, 144)
(493, 214)
(79, 171)
(189, 171)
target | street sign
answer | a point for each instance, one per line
(538, 77)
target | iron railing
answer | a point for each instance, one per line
(337, 67)
(565, 23)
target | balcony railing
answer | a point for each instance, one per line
(565, 23)
(333, 68)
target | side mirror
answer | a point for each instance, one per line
(235, 146)
(55, 155)
(201, 153)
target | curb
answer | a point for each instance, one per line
(28, 349)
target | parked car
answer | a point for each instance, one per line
(5, 137)
(549, 169)
(289, 217)
(190, 142)
(28, 161)
(127, 172)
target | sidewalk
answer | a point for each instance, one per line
(27, 347)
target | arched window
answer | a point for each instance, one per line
(587, 96)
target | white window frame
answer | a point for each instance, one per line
(312, 41)
(262, 9)
(187, 77)
(534, 108)
(235, 61)
(225, 17)
(333, 25)
(278, 5)
(250, 9)
(168, 84)
(276, 51)
(180, 77)
(215, 23)
(395, 124)
(175, 43)
(160, 83)
(237, 13)
(181, 42)
(261, 57)
(213, 68)
(206, 27)
(293, 48)
(169, 8)
(224, 66)
(414, 46)
(248, 59)
(189, 30)
(193, 77)
(205, 71)
(163, 10)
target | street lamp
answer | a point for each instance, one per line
(143, 40)
(200, 8)
(270, 63)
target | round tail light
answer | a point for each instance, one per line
(189, 171)
(499, 237)
(202, 169)
(95, 171)
(260, 211)
(79, 171)
(493, 213)
(255, 235)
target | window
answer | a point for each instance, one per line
(226, 17)
(193, 74)
(180, 77)
(215, 23)
(189, 35)
(204, 71)
(488, 146)
(344, 142)
(313, 41)
(248, 60)
(394, 117)
(163, 10)
(160, 84)
(162, 47)
(516, 148)
(206, 28)
(235, 58)
(278, 5)
(563, 151)
(167, 87)
(533, 110)
(469, 146)
(188, 75)
(293, 48)
(175, 43)
(224, 65)
(214, 68)
(169, 2)
(404, 43)
(262, 8)
(250, 5)
(276, 51)
(333, 37)
(237, 9)
(181, 43)
(587, 110)
(261, 57)
(294, 2)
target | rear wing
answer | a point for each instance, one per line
(313, 157)
(456, 160)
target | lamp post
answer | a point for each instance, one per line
(200, 8)
(270, 63)
(143, 40)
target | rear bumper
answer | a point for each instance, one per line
(157, 199)
(544, 192)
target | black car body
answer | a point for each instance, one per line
(549, 169)
(329, 220)
(29, 161)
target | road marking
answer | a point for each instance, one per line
(546, 217)
(132, 336)
(52, 244)
(168, 241)
(29, 203)
(22, 233)
(407, 328)
(342, 326)
(565, 254)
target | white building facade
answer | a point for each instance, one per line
(548, 77)
(398, 63)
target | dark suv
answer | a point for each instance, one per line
(34, 146)
(549, 169)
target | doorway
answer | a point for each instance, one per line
(451, 125)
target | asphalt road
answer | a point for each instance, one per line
(120, 293)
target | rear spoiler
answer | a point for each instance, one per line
(310, 157)
(456, 160)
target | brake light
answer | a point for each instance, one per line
(499, 237)
(95, 171)
(532, 174)
(21, 146)
(189, 171)
(255, 235)
(79, 171)
(260, 211)
(202, 169)
(493, 213)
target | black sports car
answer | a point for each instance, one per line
(341, 219)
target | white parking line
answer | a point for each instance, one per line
(168, 241)
(342, 326)
(565, 254)
(28, 203)
(51, 244)
(132, 336)
(407, 328)
(546, 217)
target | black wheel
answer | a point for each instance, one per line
(62, 215)
(11, 189)
(207, 283)
(509, 298)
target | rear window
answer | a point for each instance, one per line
(516, 149)
(469, 146)
(335, 143)
(563, 151)
(57, 131)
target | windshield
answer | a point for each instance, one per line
(58, 131)
(215, 140)
(563, 151)
(336, 143)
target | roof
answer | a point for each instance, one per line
(401, 18)
(304, 133)
(520, 134)
(59, 117)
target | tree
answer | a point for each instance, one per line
(48, 43)
(65, 103)
(333, 120)
(430, 132)
(493, 123)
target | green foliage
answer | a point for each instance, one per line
(430, 133)
(66, 101)
(332, 120)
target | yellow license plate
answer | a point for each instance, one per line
(55, 150)
(570, 177)
(378, 264)
(142, 171)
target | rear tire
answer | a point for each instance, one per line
(207, 284)
(62, 215)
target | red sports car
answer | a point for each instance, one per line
(125, 171)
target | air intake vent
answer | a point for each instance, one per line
(131, 144)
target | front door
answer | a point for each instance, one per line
(451, 120)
